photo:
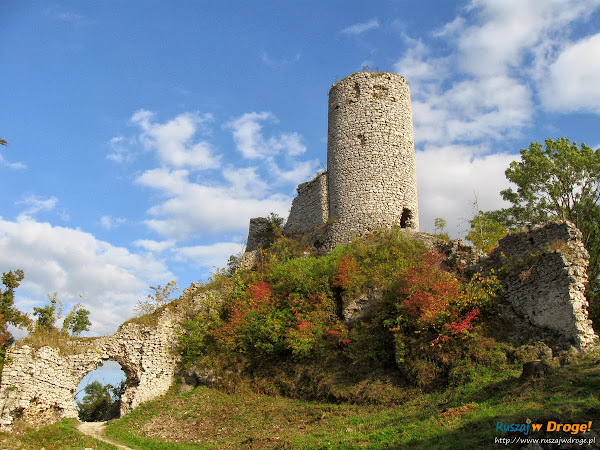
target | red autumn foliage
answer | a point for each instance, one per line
(348, 269)
(260, 294)
(258, 299)
(464, 325)
(428, 290)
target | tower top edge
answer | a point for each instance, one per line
(367, 75)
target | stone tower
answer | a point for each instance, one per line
(371, 170)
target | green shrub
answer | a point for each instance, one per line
(255, 324)
(288, 309)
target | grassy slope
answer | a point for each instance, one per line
(459, 417)
(61, 435)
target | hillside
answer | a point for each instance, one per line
(377, 344)
(460, 416)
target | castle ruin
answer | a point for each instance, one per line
(370, 183)
(371, 177)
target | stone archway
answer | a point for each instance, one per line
(39, 385)
(98, 395)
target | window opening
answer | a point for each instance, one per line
(405, 219)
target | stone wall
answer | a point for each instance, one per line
(544, 276)
(310, 208)
(39, 385)
(260, 233)
(371, 170)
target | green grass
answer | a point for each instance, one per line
(61, 435)
(455, 418)
(459, 417)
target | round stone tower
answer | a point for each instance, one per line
(371, 170)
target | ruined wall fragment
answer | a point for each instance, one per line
(310, 208)
(39, 385)
(544, 276)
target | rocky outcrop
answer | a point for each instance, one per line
(543, 272)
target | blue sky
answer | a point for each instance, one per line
(144, 135)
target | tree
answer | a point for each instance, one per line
(487, 228)
(8, 313)
(49, 314)
(77, 321)
(275, 220)
(100, 402)
(161, 296)
(440, 225)
(560, 181)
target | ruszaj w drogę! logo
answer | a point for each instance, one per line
(520, 432)
(525, 428)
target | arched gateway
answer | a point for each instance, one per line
(38, 385)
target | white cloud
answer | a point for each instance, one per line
(359, 28)
(499, 53)
(174, 141)
(193, 208)
(275, 63)
(572, 83)
(250, 141)
(451, 28)
(109, 280)
(214, 255)
(301, 172)
(489, 107)
(504, 32)
(5, 163)
(247, 135)
(482, 91)
(69, 17)
(120, 152)
(291, 142)
(224, 199)
(109, 222)
(245, 181)
(421, 69)
(449, 178)
(34, 204)
(154, 246)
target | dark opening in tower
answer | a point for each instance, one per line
(405, 218)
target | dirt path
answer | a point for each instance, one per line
(96, 430)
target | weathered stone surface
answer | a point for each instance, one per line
(371, 179)
(260, 233)
(371, 170)
(310, 208)
(544, 276)
(361, 308)
(39, 385)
